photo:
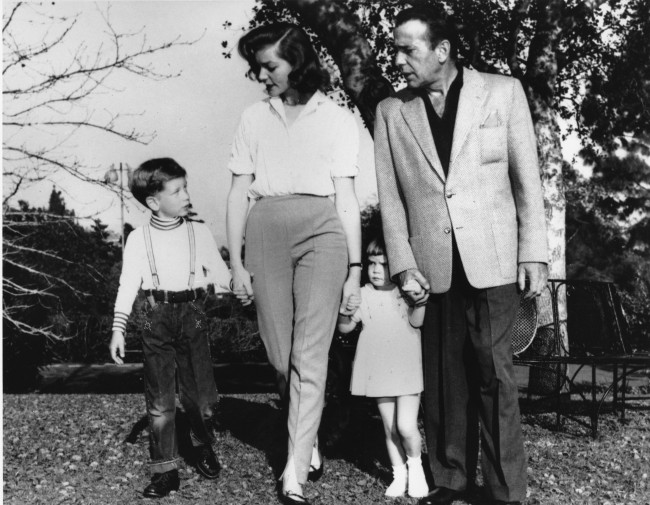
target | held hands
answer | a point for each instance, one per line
(414, 286)
(536, 274)
(242, 285)
(117, 347)
(351, 294)
(354, 301)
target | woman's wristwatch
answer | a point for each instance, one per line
(360, 265)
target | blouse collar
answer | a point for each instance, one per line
(312, 104)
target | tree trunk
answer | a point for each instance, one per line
(339, 31)
(540, 83)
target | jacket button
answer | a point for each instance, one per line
(449, 195)
(447, 230)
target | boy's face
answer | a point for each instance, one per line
(378, 271)
(173, 201)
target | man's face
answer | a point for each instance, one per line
(414, 56)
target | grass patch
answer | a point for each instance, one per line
(73, 449)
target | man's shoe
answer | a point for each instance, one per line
(499, 502)
(207, 463)
(441, 496)
(162, 484)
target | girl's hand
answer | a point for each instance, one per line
(242, 285)
(351, 295)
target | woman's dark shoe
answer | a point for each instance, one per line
(290, 498)
(162, 484)
(316, 473)
(207, 463)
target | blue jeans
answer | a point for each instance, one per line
(175, 346)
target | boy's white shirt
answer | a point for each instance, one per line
(171, 250)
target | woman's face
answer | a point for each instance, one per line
(274, 71)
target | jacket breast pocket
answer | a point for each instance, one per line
(494, 144)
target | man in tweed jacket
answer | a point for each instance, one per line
(463, 214)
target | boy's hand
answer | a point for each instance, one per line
(117, 347)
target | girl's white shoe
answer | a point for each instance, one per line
(417, 482)
(398, 486)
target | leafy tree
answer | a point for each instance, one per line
(607, 229)
(566, 53)
(63, 286)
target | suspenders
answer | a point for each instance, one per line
(152, 261)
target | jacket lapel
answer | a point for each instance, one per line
(416, 118)
(471, 98)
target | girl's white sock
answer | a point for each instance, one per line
(398, 486)
(417, 482)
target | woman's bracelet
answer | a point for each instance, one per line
(360, 265)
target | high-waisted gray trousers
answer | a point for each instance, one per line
(296, 251)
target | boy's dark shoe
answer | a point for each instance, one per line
(162, 484)
(207, 463)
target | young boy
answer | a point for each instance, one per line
(177, 263)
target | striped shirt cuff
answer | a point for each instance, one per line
(119, 321)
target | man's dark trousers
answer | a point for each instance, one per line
(175, 344)
(469, 375)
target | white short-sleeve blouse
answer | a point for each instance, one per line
(303, 158)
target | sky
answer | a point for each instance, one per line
(194, 115)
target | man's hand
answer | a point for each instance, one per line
(418, 294)
(537, 275)
(117, 347)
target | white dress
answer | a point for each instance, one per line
(388, 360)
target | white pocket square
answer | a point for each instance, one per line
(491, 120)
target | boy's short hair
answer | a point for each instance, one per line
(376, 247)
(150, 177)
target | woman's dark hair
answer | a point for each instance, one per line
(439, 26)
(150, 177)
(293, 46)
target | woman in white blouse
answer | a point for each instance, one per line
(295, 155)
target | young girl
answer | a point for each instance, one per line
(388, 367)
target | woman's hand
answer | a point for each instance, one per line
(242, 285)
(351, 295)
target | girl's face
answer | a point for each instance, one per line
(274, 71)
(378, 271)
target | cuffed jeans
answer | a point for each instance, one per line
(175, 345)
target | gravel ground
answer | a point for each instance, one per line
(73, 449)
